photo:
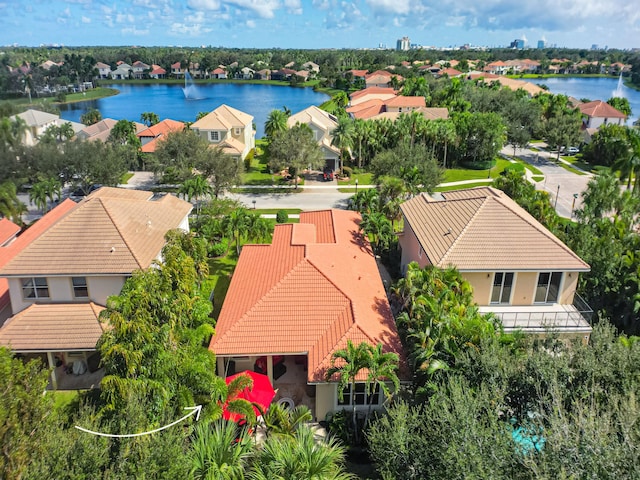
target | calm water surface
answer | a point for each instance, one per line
(169, 101)
(593, 89)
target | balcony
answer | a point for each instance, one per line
(575, 318)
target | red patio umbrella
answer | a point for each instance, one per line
(261, 393)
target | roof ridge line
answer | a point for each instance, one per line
(466, 227)
(537, 226)
(117, 227)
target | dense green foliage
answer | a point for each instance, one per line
(581, 401)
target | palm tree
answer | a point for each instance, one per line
(149, 118)
(276, 122)
(281, 420)
(382, 369)
(342, 137)
(258, 229)
(91, 117)
(347, 364)
(300, 457)
(629, 165)
(10, 206)
(236, 224)
(219, 450)
(367, 200)
(38, 196)
(378, 228)
(195, 188)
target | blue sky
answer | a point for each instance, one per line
(319, 23)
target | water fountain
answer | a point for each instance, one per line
(190, 90)
(618, 93)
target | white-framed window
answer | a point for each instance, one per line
(502, 286)
(214, 136)
(419, 251)
(80, 288)
(35, 288)
(237, 131)
(548, 287)
(361, 397)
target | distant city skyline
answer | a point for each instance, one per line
(319, 23)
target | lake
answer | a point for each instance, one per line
(598, 88)
(168, 101)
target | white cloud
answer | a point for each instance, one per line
(264, 8)
(193, 30)
(125, 18)
(399, 7)
(293, 7)
(321, 4)
(251, 23)
(86, 19)
(134, 31)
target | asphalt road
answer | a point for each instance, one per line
(305, 200)
(560, 183)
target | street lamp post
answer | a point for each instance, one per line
(573, 204)
(254, 204)
(557, 195)
(356, 185)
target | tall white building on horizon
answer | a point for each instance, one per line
(403, 44)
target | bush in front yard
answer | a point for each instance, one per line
(282, 216)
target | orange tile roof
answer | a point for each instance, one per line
(164, 127)
(451, 72)
(8, 230)
(402, 101)
(53, 326)
(600, 109)
(482, 229)
(315, 287)
(112, 231)
(372, 90)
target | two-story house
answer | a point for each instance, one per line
(38, 122)
(104, 70)
(139, 68)
(60, 281)
(598, 113)
(518, 269)
(322, 124)
(229, 128)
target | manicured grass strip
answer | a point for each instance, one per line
(63, 398)
(220, 271)
(569, 168)
(531, 168)
(126, 177)
(274, 211)
(537, 178)
(460, 174)
(461, 187)
(350, 189)
(363, 179)
(266, 190)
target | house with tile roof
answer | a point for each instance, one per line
(139, 68)
(177, 71)
(381, 78)
(228, 128)
(518, 269)
(104, 70)
(123, 72)
(61, 270)
(292, 303)
(149, 137)
(219, 73)
(598, 113)
(374, 103)
(38, 122)
(101, 130)
(322, 124)
(157, 72)
(371, 93)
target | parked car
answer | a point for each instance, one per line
(569, 150)
(327, 174)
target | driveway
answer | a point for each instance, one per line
(561, 184)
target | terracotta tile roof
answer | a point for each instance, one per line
(157, 70)
(8, 230)
(531, 88)
(112, 231)
(53, 326)
(483, 229)
(230, 146)
(402, 101)
(367, 109)
(162, 128)
(600, 109)
(223, 118)
(315, 287)
(451, 72)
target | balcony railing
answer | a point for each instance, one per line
(576, 317)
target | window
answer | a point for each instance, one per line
(34, 288)
(80, 289)
(214, 136)
(420, 251)
(502, 283)
(237, 131)
(361, 397)
(548, 287)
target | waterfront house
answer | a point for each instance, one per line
(138, 69)
(122, 72)
(322, 124)
(38, 122)
(101, 130)
(149, 137)
(518, 269)
(104, 70)
(293, 303)
(598, 113)
(71, 261)
(229, 128)
(157, 72)
(219, 73)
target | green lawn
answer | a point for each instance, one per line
(126, 177)
(537, 178)
(531, 168)
(579, 163)
(63, 399)
(460, 174)
(462, 187)
(220, 271)
(273, 211)
(363, 179)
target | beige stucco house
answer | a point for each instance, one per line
(322, 124)
(518, 269)
(229, 128)
(37, 123)
(60, 281)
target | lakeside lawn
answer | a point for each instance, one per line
(92, 94)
